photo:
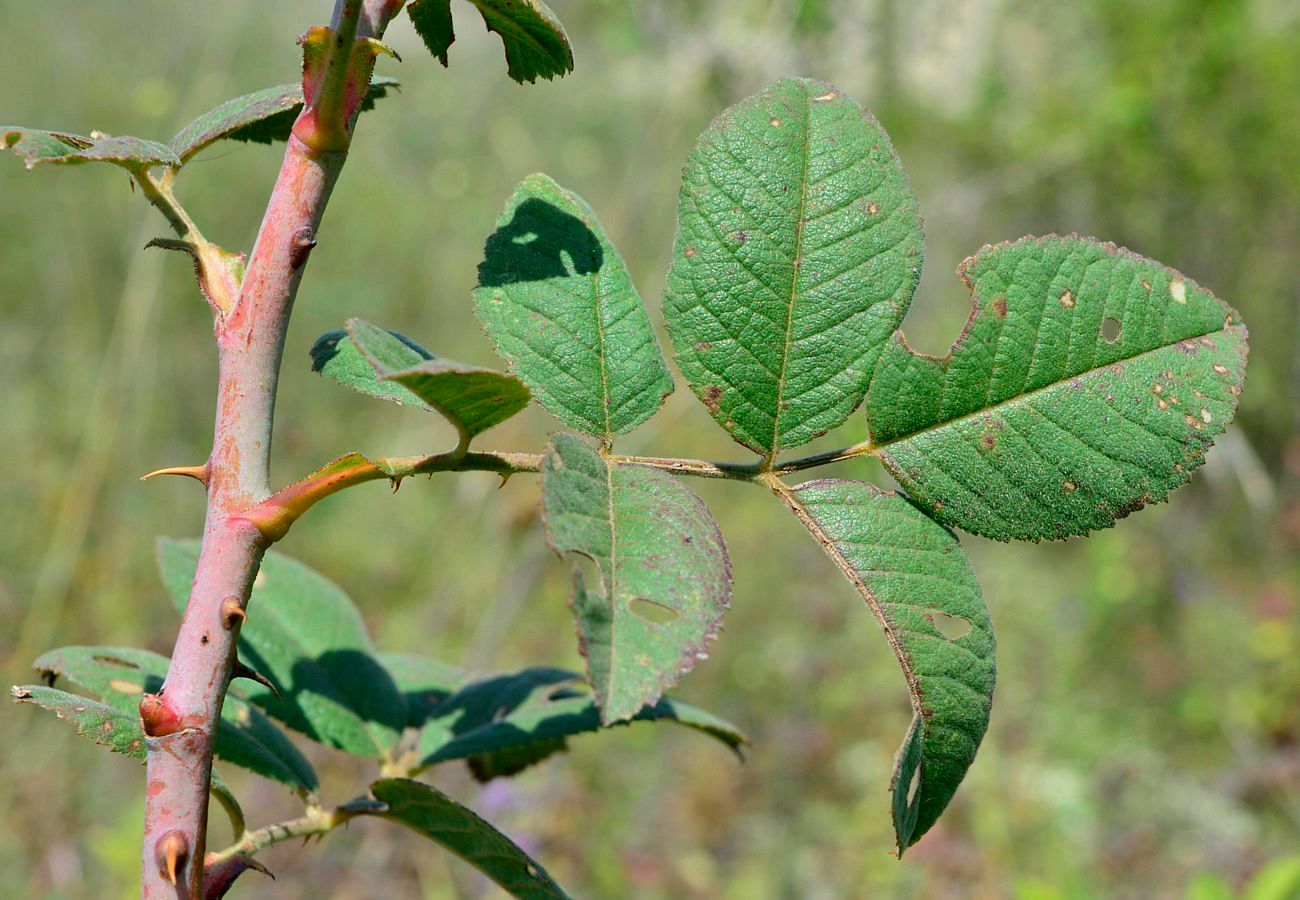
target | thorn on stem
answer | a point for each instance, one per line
(171, 851)
(198, 473)
(156, 719)
(242, 671)
(304, 239)
(232, 611)
(219, 876)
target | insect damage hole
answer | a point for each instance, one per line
(1110, 328)
(652, 611)
(950, 626)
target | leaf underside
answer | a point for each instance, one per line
(118, 676)
(557, 301)
(506, 723)
(798, 249)
(428, 811)
(262, 117)
(62, 148)
(917, 582)
(105, 725)
(307, 637)
(534, 40)
(1089, 382)
(665, 577)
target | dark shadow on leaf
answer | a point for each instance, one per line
(534, 244)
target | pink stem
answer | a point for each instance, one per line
(181, 720)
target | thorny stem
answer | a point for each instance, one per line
(316, 822)
(181, 720)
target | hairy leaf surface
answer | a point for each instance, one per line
(428, 811)
(105, 725)
(306, 636)
(118, 676)
(261, 117)
(557, 300)
(535, 42)
(798, 249)
(1089, 381)
(665, 578)
(131, 153)
(506, 723)
(921, 589)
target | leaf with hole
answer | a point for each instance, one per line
(1088, 382)
(534, 40)
(557, 300)
(798, 248)
(306, 636)
(656, 547)
(506, 723)
(428, 811)
(262, 117)
(118, 676)
(918, 584)
(131, 153)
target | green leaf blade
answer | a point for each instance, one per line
(1089, 382)
(534, 40)
(428, 811)
(118, 676)
(557, 301)
(131, 153)
(304, 634)
(105, 725)
(799, 246)
(917, 582)
(338, 357)
(262, 117)
(664, 571)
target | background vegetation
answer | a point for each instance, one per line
(1146, 734)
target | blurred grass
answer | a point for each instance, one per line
(1146, 734)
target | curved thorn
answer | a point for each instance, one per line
(198, 473)
(170, 852)
(231, 611)
(242, 671)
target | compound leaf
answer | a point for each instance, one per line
(557, 300)
(921, 589)
(428, 811)
(131, 153)
(1089, 381)
(665, 578)
(118, 676)
(798, 248)
(534, 40)
(506, 723)
(306, 636)
(261, 117)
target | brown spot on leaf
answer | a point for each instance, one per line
(1067, 299)
(775, 122)
(1178, 290)
(1220, 368)
(690, 251)
(711, 395)
(1069, 487)
(1000, 307)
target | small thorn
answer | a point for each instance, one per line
(198, 473)
(172, 850)
(218, 877)
(505, 476)
(242, 671)
(231, 611)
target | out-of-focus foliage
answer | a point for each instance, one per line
(1146, 736)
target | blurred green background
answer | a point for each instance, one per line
(1146, 733)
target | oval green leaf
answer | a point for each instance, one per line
(428, 811)
(798, 248)
(557, 300)
(654, 543)
(918, 584)
(131, 153)
(1088, 382)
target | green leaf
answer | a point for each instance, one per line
(424, 682)
(336, 356)
(534, 40)
(131, 153)
(506, 723)
(119, 731)
(118, 676)
(306, 636)
(798, 249)
(1089, 381)
(665, 578)
(262, 117)
(557, 300)
(428, 811)
(920, 587)
(103, 724)
(473, 399)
